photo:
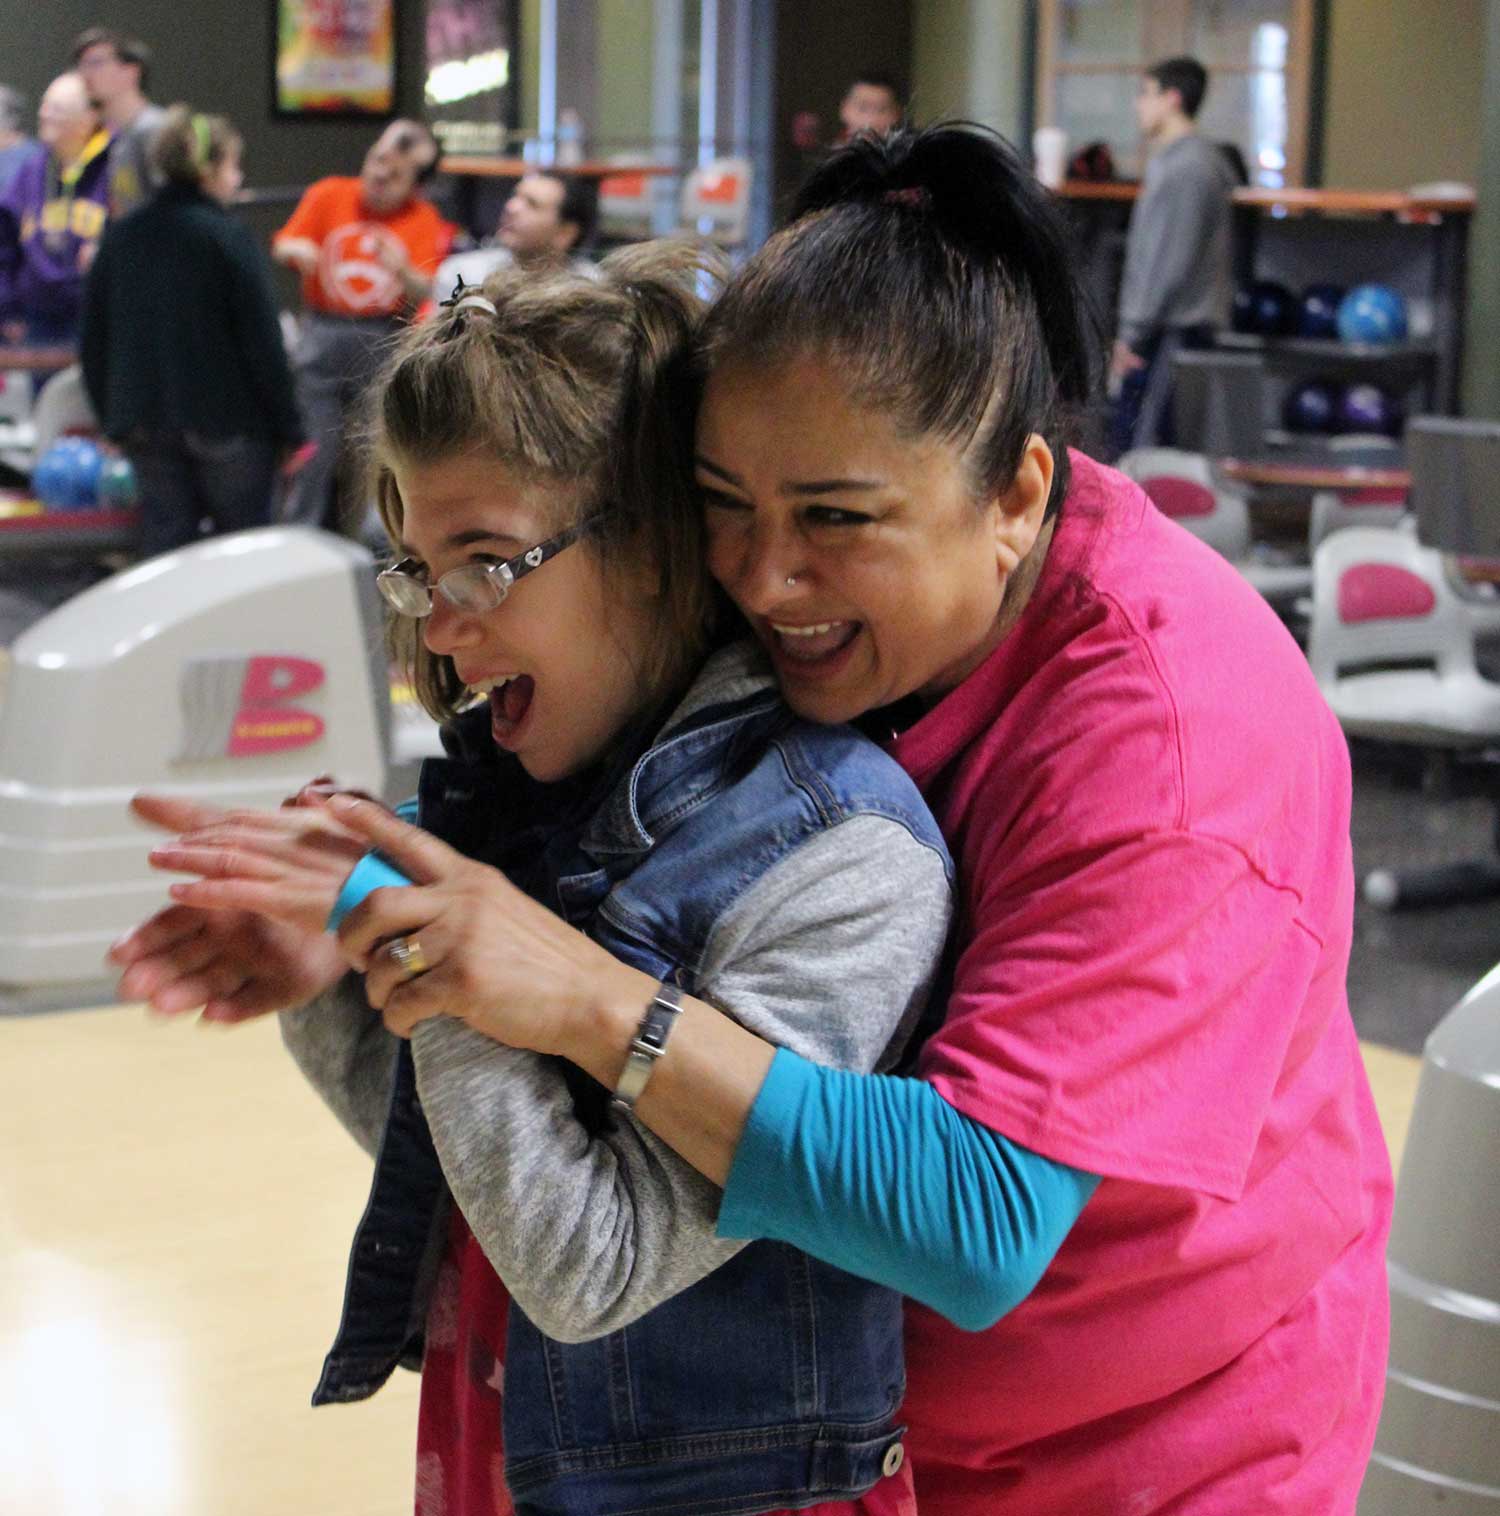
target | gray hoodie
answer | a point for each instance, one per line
(1177, 256)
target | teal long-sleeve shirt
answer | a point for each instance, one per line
(880, 1176)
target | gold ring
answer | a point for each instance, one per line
(408, 956)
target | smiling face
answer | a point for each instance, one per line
(859, 554)
(562, 658)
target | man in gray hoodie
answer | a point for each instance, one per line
(1176, 287)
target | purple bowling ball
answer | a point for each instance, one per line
(1311, 406)
(1368, 408)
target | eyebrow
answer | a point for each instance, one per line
(798, 487)
(464, 539)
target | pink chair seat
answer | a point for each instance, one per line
(1177, 497)
(1383, 592)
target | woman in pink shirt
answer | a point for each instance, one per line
(1136, 1188)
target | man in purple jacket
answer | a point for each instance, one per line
(51, 219)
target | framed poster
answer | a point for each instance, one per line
(469, 94)
(335, 58)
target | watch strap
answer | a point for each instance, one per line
(648, 1044)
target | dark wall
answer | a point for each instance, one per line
(819, 48)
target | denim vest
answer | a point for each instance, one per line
(776, 1380)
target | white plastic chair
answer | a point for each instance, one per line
(62, 407)
(626, 201)
(1185, 487)
(715, 201)
(1338, 510)
(1391, 642)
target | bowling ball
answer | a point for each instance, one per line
(1372, 313)
(1368, 408)
(1318, 312)
(1311, 406)
(117, 488)
(66, 476)
(1264, 308)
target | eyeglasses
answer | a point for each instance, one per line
(472, 587)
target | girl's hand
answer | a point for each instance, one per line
(288, 865)
(495, 959)
(234, 964)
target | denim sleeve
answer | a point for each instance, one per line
(882, 1177)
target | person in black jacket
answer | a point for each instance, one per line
(181, 347)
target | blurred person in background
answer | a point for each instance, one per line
(181, 345)
(872, 103)
(548, 223)
(114, 69)
(51, 219)
(1176, 286)
(15, 146)
(367, 249)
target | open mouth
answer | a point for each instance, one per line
(510, 699)
(813, 646)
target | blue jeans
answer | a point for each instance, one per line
(185, 480)
(1142, 412)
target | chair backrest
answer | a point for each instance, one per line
(15, 396)
(1184, 486)
(1338, 510)
(1382, 601)
(1454, 467)
(716, 201)
(62, 407)
(626, 201)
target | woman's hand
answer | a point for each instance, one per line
(495, 959)
(288, 865)
(234, 964)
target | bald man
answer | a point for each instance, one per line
(51, 218)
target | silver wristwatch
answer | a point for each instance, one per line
(649, 1043)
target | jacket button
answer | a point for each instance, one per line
(895, 1456)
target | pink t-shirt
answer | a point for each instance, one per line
(1148, 802)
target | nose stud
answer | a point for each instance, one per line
(791, 580)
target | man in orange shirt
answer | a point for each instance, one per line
(367, 249)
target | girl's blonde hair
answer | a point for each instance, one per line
(583, 383)
(188, 145)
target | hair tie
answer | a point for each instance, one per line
(466, 295)
(203, 140)
(914, 196)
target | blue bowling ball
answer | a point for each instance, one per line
(1264, 308)
(1368, 408)
(1318, 312)
(1373, 313)
(1311, 406)
(66, 476)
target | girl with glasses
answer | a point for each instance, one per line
(615, 757)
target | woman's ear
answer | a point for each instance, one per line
(1020, 507)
